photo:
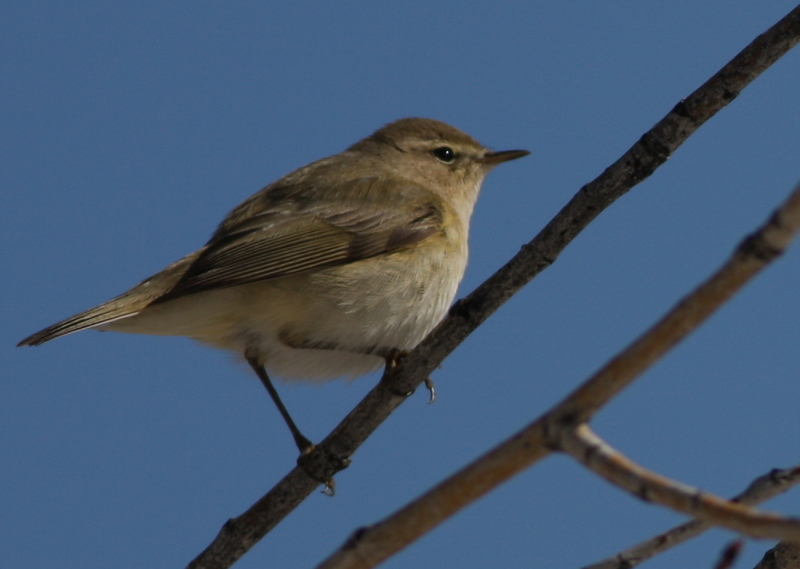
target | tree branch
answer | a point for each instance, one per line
(761, 489)
(594, 453)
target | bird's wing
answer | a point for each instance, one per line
(369, 217)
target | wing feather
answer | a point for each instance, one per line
(298, 234)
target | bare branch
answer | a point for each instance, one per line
(761, 489)
(589, 449)
(652, 150)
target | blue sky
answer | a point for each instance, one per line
(128, 131)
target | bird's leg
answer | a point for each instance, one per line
(303, 444)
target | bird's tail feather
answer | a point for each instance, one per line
(126, 304)
(87, 319)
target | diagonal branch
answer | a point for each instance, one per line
(652, 150)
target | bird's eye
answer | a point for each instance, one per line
(444, 154)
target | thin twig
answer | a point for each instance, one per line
(761, 489)
(589, 449)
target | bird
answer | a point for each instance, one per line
(331, 271)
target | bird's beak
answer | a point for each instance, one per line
(494, 158)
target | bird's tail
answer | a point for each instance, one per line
(96, 316)
(126, 304)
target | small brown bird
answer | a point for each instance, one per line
(331, 270)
